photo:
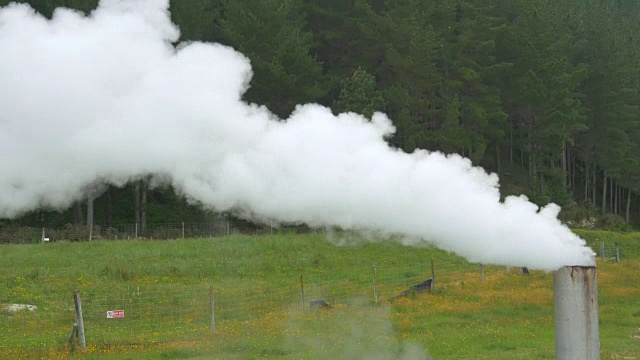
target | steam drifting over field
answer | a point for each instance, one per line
(106, 98)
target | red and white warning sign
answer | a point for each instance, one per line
(112, 314)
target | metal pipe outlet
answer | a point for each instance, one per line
(576, 313)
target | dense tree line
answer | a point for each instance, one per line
(544, 93)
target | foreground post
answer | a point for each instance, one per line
(375, 292)
(79, 325)
(212, 308)
(302, 291)
(576, 313)
(433, 278)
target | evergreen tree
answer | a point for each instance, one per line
(470, 71)
(197, 19)
(271, 34)
(359, 94)
(611, 95)
(409, 75)
(540, 93)
(46, 7)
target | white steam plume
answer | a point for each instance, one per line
(107, 98)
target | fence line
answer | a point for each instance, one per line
(161, 231)
(161, 313)
(607, 251)
(156, 314)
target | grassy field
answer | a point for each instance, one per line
(164, 289)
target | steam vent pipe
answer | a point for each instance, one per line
(576, 313)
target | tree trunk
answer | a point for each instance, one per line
(611, 196)
(621, 199)
(136, 199)
(521, 151)
(498, 158)
(586, 182)
(604, 192)
(617, 198)
(593, 189)
(565, 168)
(143, 208)
(90, 199)
(78, 217)
(626, 213)
(109, 214)
(572, 170)
(510, 141)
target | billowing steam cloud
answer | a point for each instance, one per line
(106, 98)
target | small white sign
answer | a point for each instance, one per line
(113, 314)
(45, 239)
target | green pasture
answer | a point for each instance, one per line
(164, 289)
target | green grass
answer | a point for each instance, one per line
(163, 286)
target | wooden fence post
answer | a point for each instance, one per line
(433, 278)
(302, 290)
(212, 307)
(375, 293)
(617, 252)
(74, 333)
(602, 251)
(481, 274)
(79, 325)
(183, 229)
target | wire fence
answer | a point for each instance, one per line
(71, 232)
(156, 314)
(609, 252)
(165, 313)
(219, 227)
